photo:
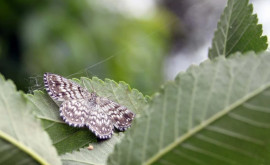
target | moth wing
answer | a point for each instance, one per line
(121, 116)
(75, 112)
(61, 89)
(100, 123)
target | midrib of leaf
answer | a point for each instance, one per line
(227, 30)
(238, 39)
(206, 123)
(24, 148)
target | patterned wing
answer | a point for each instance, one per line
(61, 89)
(120, 115)
(75, 112)
(85, 112)
(100, 123)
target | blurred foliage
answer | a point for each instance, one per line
(83, 38)
(12, 14)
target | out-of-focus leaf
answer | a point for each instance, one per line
(90, 39)
(22, 139)
(237, 30)
(68, 139)
(215, 113)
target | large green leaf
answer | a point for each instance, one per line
(22, 139)
(237, 30)
(68, 139)
(215, 113)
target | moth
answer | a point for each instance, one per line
(80, 108)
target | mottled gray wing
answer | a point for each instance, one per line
(120, 115)
(75, 112)
(61, 89)
(100, 123)
(84, 112)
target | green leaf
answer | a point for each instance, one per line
(215, 113)
(68, 139)
(22, 139)
(98, 155)
(237, 30)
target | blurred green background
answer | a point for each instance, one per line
(82, 38)
(106, 39)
